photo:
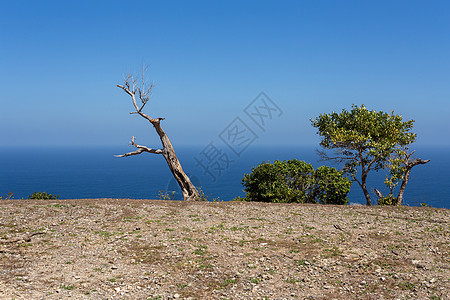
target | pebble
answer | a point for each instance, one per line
(418, 264)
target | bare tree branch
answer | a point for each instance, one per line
(131, 92)
(338, 158)
(378, 193)
(140, 149)
(144, 95)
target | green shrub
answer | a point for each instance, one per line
(387, 200)
(331, 186)
(296, 181)
(42, 196)
(280, 181)
(165, 195)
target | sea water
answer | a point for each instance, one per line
(88, 172)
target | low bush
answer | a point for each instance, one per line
(331, 186)
(42, 196)
(295, 181)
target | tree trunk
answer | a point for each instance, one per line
(364, 186)
(399, 199)
(189, 191)
(366, 194)
(408, 165)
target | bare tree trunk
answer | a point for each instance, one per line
(379, 194)
(189, 191)
(408, 165)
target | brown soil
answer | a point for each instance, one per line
(146, 249)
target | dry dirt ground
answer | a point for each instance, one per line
(146, 249)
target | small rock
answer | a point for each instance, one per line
(176, 296)
(117, 289)
(418, 264)
(432, 280)
(114, 267)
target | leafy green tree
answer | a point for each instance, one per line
(366, 139)
(295, 181)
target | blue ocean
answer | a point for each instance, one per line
(77, 172)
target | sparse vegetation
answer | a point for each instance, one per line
(165, 195)
(221, 250)
(43, 196)
(67, 287)
(8, 196)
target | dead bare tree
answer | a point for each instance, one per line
(136, 89)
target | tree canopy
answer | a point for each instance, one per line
(363, 138)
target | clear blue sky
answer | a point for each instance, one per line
(60, 62)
